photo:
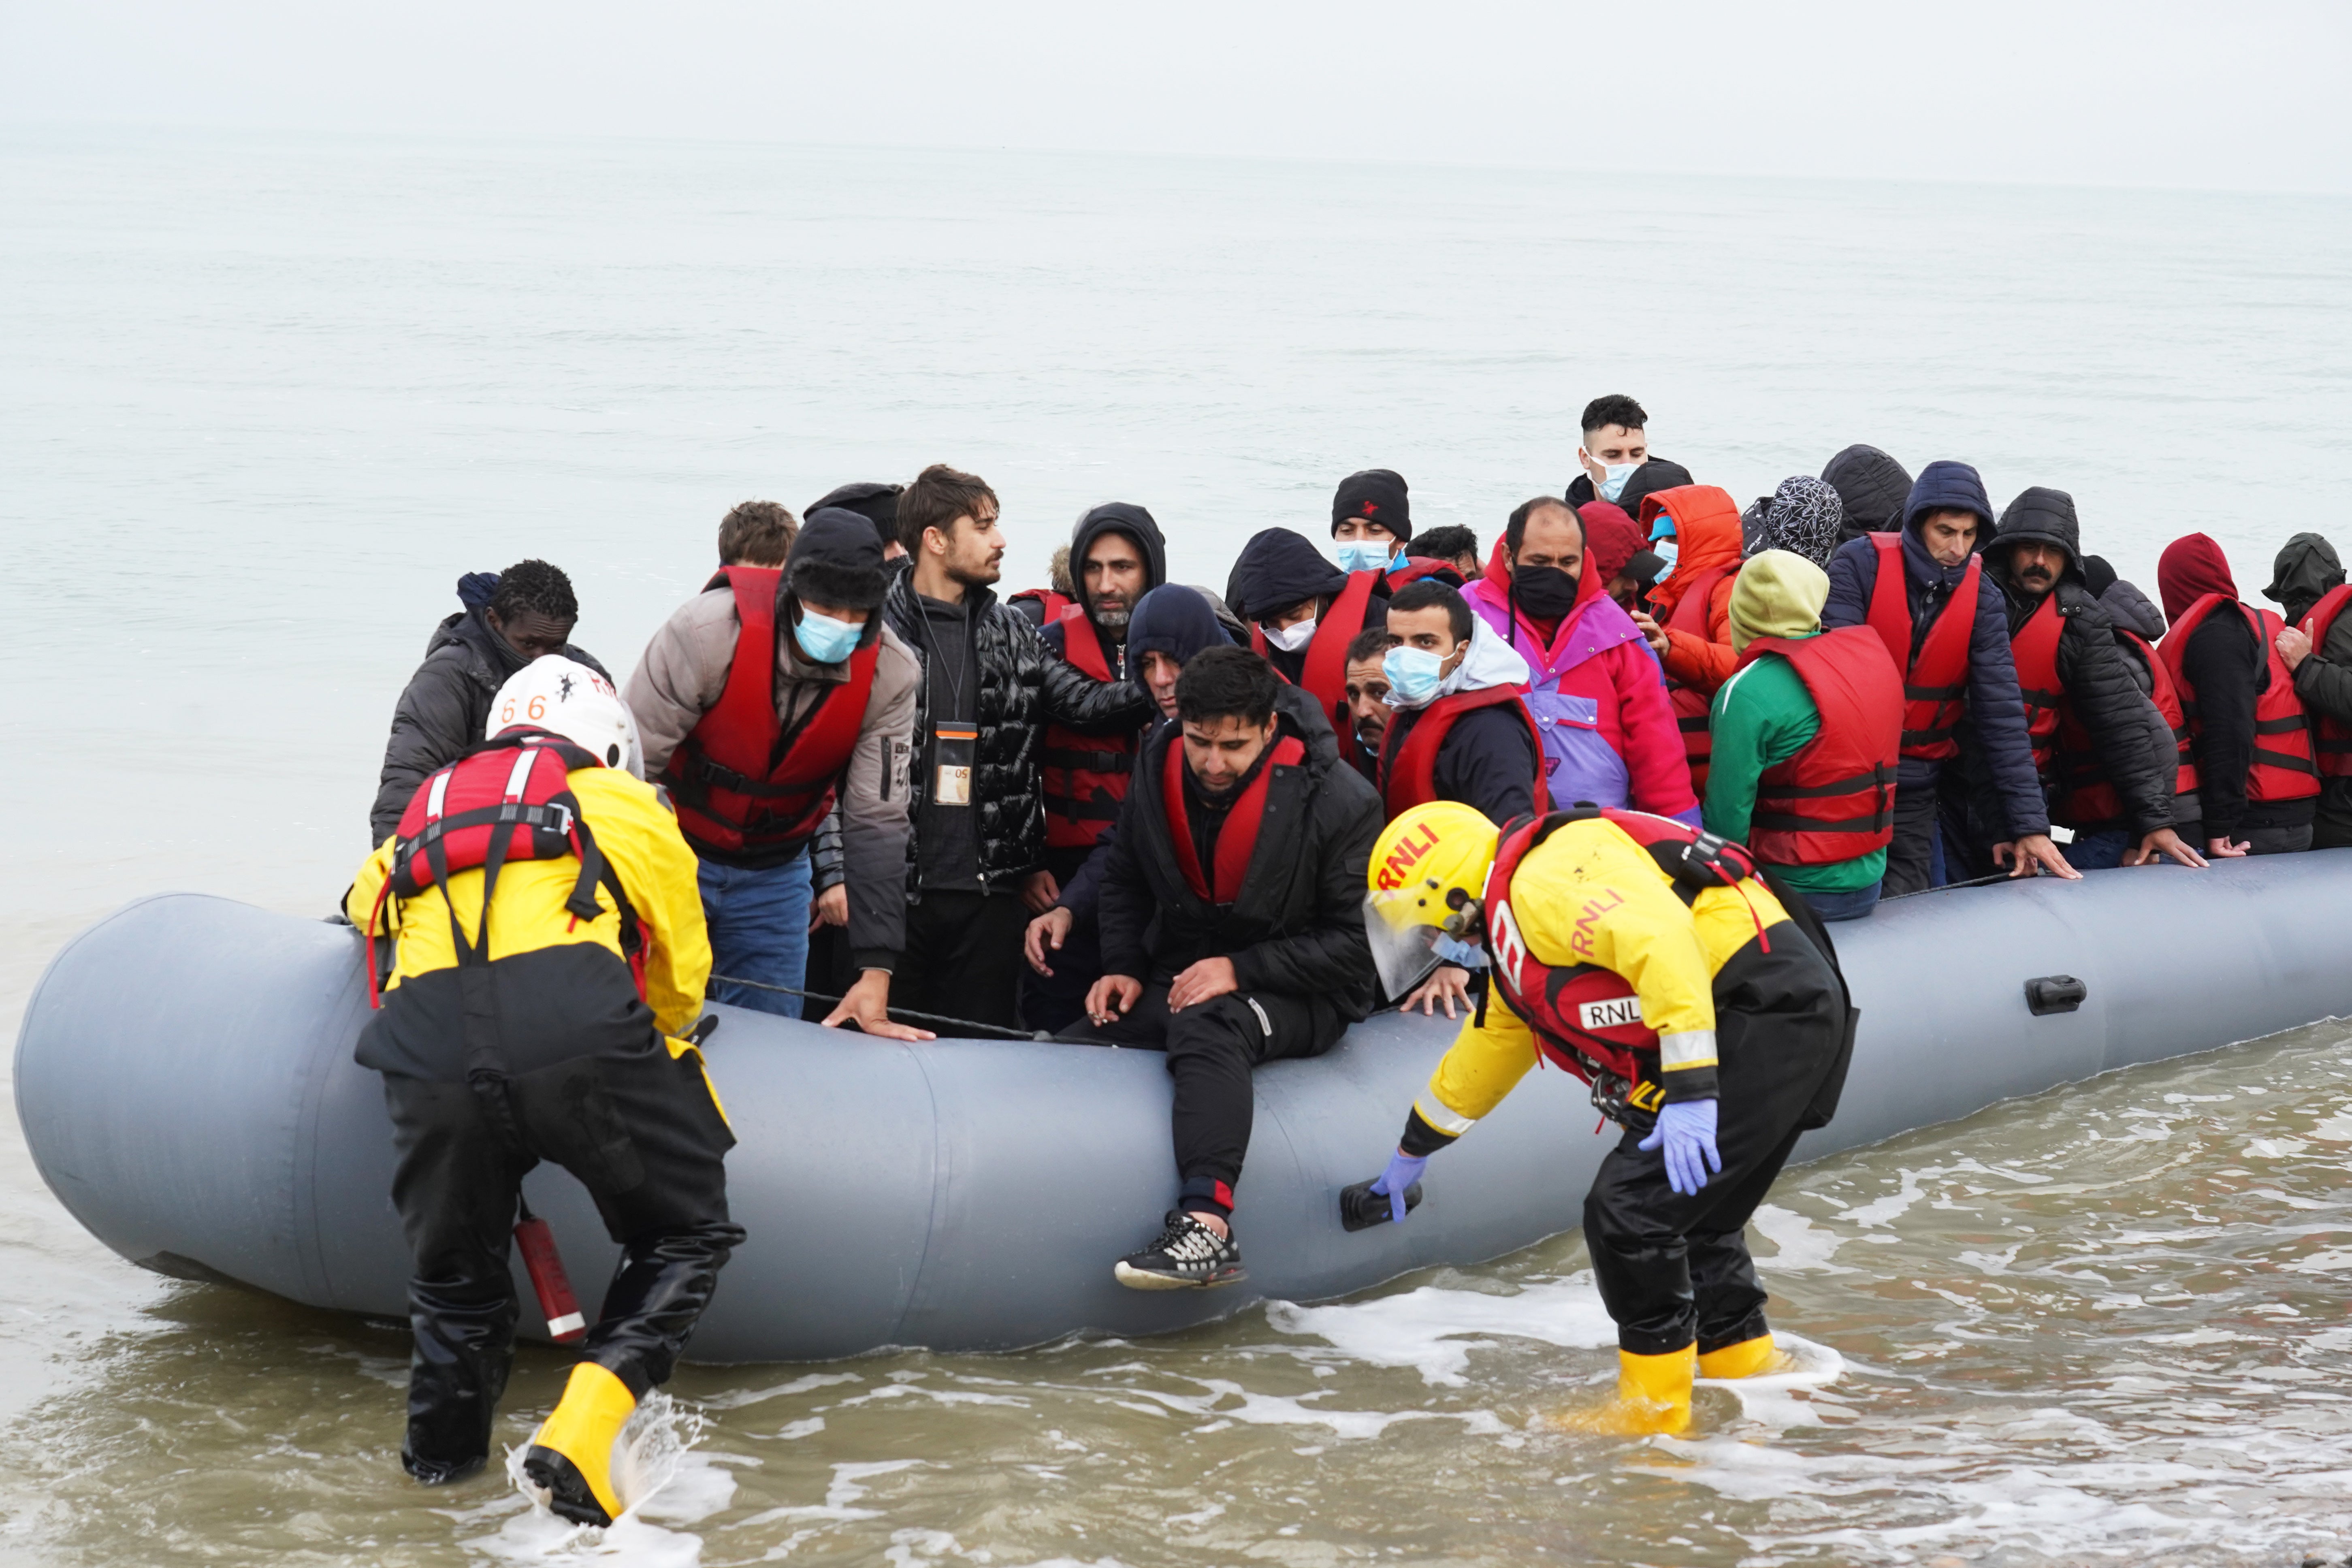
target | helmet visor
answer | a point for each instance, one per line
(1403, 941)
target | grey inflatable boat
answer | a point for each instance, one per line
(185, 1083)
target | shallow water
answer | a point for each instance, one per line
(261, 400)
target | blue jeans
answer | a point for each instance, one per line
(1850, 906)
(2101, 851)
(758, 930)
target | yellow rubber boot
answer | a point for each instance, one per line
(571, 1453)
(1653, 1397)
(1745, 1359)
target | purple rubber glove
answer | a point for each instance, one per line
(1403, 1172)
(1686, 1127)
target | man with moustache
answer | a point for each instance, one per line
(975, 868)
(2085, 713)
(1368, 701)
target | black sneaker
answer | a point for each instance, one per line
(1187, 1255)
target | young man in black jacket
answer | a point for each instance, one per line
(2085, 715)
(1232, 929)
(975, 869)
(530, 611)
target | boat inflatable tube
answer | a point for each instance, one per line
(185, 1083)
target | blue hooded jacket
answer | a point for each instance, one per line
(1996, 710)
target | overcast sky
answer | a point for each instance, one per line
(2150, 92)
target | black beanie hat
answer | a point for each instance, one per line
(1375, 495)
(877, 502)
(837, 561)
(2098, 576)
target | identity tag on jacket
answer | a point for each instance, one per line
(951, 748)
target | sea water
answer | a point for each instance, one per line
(263, 398)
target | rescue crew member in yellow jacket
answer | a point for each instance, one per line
(1706, 1011)
(552, 1025)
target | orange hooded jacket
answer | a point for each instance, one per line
(1707, 531)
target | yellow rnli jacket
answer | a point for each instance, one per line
(563, 984)
(1590, 894)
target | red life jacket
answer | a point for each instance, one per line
(1238, 839)
(1083, 777)
(1586, 1019)
(2331, 738)
(1936, 684)
(1324, 677)
(2034, 651)
(1834, 800)
(2282, 767)
(1052, 601)
(508, 799)
(1408, 773)
(738, 780)
(1690, 704)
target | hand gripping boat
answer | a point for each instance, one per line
(185, 1083)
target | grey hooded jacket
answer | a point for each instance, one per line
(685, 669)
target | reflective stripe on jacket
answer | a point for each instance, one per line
(2282, 768)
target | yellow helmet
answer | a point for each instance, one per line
(1426, 864)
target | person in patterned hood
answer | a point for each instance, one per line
(1804, 518)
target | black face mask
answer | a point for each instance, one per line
(1547, 593)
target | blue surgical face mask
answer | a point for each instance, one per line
(1467, 954)
(1413, 675)
(1612, 484)
(824, 639)
(1361, 554)
(1667, 551)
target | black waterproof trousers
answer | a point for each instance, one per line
(1674, 1269)
(1212, 1049)
(641, 1131)
(963, 955)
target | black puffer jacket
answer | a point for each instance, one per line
(1021, 688)
(1297, 927)
(2131, 611)
(444, 708)
(2097, 681)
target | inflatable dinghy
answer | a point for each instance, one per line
(185, 1083)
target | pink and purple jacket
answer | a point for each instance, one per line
(1599, 699)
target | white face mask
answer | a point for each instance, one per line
(1292, 637)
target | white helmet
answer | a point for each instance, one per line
(566, 698)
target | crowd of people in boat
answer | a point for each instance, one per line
(1115, 810)
(1879, 684)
